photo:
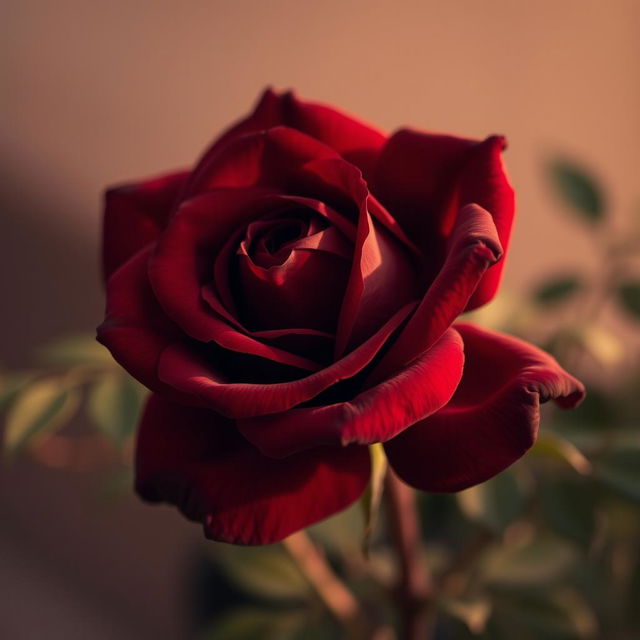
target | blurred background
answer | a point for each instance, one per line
(99, 92)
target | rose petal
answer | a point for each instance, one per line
(182, 262)
(357, 141)
(424, 179)
(195, 459)
(473, 247)
(187, 370)
(375, 415)
(135, 329)
(134, 215)
(491, 420)
(267, 158)
(305, 291)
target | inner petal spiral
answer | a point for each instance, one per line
(292, 269)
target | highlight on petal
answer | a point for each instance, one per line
(375, 415)
(196, 460)
(134, 216)
(492, 419)
(472, 248)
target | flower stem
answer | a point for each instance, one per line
(415, 589)
(332, 591)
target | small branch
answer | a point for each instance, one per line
(338, 599)
(416, 585)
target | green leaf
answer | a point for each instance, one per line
(496, 503)
(620, 470)
(115, 402)
(41, 408)
(629, 298)
(553, 445)
(568, 506)
(373, 495)
(76, 350)
(265, 572)
(557, 290)
(11, 384)
(578, 189)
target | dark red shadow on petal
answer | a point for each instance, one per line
(472, 248)
(352, 138)
(375, 415)
(196, 460)
(423, 179)
(491, 421)
(190, 370)
(134, 216)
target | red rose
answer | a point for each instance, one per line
(291, 300)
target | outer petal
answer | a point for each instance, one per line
(195, 459)
(375, 415)
(134, 215)
(355, 140)
(491, 420)
(182, 368)
(473, 248)
(424, 178)
(135, 329)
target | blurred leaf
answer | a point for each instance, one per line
(538, 562)
(42, 407)
(578, 189)
(255, 623)
(115, 402)
(603, 345)
(620, 470)
(559, 614)
(629, 298)
(568, 506)
(373, 495)
(474, 612)
(76, 350)
(10, 386)
(496, 503)
(556, 290)
(552, 445)
(265, 572)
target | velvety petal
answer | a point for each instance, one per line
(187, 370)
(267, 158)
(382, 274)
(183, 259)
(483, 181)
(355, 140)
(196, 460)
(134, 215)
(135, 329)
(424, 179)
(305, 291)
(492, 419)
(375, 415)
(472, 248)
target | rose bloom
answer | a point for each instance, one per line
(292, 299)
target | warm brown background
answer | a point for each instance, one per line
(101, 91)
